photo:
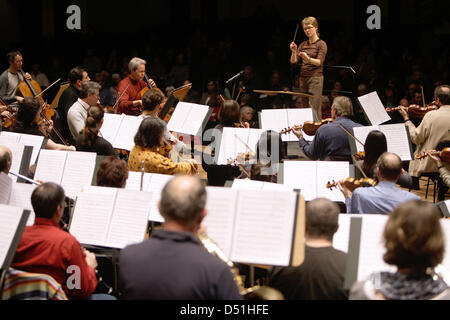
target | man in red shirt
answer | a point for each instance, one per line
(45, 248)
(129, 103)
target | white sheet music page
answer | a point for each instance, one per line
(374, 109)
(129, 219)
(78, 172)
(397, 140)
(92, 215)
(219, 221)
(6, 184)
(157, 183)
(9, 221)
(35, 142)
(445, 224)
(301, 175)
(361, 134)
(7, 138)
(110, 127)
(264, 227)
(276, 186)
(298, 117)
(229, 145)
(128, 129)
(341, 237)
(247, 184)
(134, 181)
(372, 249)
(50, 166)
(178, 119)
(276, 120)
(327, 171)
(21, 197)
(195, 119)
(253, 138)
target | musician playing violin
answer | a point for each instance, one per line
(330, 141)
(130, 103)
(433, 129)
(11, 77)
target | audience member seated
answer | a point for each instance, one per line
(149, 148)
(112, 172)
(415, 244)
(173, 264)
(321, 275)
(89, 140)
(385, 196)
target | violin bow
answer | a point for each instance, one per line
(42, 92)
(246, 145)
(118, 99)
(423, 96)
(348, 132)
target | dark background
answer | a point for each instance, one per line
(219, 37)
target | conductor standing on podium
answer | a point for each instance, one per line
(312, 52)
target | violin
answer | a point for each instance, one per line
(7, 122)
(243, 158)
(444, 155)
(416, 111)
(352, 183)
(359, 156)
(309, 127)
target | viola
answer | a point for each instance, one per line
(8, 122)
(149, 87)
(444, 155)
(352, 183)
(416, 111)
(360, 155)
(309, 127)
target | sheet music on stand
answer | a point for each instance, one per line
(21, 154)
(244, 184)
(397, 137)
(36, 142)
(119, 130)
(373, 108)
(189, 118)
(12, 225)
(152, 182)
(110, 217)
(311, 177)
(366, 248)
(279, 119)
(234, 141)
(72, 170)
(239, 220)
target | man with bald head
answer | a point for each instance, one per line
(5, 159)
(173, 264)
(385, 196)
(321, 275)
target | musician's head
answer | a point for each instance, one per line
(93, 123)
(5, 159)
(375, 144)
(230, 113)
(15, 60)
(90, 93)
(442, 95)
(28, 111)
(342, 107)
(322, 216)
(182, 203)
(310, 26)
(389, 167)
(270, 149)
(413, 237)
(77, 76)
(48, 201)
(112, 172)
(136, 67)
(247, 113)
(150, 133)
(152, 101)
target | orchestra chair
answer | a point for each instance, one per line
(21, 285)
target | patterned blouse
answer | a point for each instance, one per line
(154, 162)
